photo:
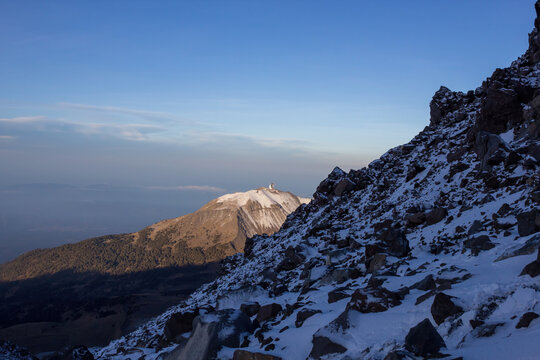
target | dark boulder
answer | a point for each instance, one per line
(178, 324)
(79, 352)
(376, 262)
(443, 307)
(343, 186)
(476, 227)
(268, 312)
(427, 283)
(528, 222)
(424, 340)
(444, 102)
(486, 145)
(478, 244)
(322, 346)
(303, 315)
(415, 219)
(512, 158)
(373, 299)
(532, 269)
(399, 355)
(435, 215)
(336, 295)
(414, 170)
(213, 331)
(500, 109)
(250, 309)
(526, 319)
(456, 155)
(293, 258)
(336, 183)
(394, 241)
(533, 53)
(248, 355)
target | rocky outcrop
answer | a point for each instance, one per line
(424, 340)
(532, 269)
(178, 324)
(443, 307)
(268, 312)
(247, 355)
(79, 352)
(211, 332)
(323, 346)
(10, 351)
(526, 319)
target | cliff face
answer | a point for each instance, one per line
(430, 250)
(217, 230)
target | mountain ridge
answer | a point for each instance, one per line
(216, 230)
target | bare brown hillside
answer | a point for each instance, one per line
(217, 230)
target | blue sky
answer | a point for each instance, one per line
(221, 96)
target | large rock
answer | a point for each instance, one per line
(479, 243)
(248, 355)
(527, 222)
(444, 102)
(250, 309)
(343, 186)
(268, 312)
(292, 259)
(213, 331)
(399, 355)
(370, 300)
(336, 295)
(500, 109)
(486, 145)
(427, 283)
(424, 340)
(376, 262)
(526, 319)
(303, 315)
(394, 241)
(415, 219)
(322, 346)
(78, 352)
(532, 269)
(443, 307)
(435, 215)
(178, 324)
(533, 53)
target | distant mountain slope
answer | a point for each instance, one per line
(217, 230)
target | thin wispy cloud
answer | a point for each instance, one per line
(6, 137)
(128, 131)
(222, 137)
(145, 114)
(139, 132)
(22, 119)
(205, 188)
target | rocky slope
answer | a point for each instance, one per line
(217, 230)
(430, 250)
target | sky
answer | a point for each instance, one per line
(158, 107)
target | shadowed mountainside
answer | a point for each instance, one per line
(49, 312)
